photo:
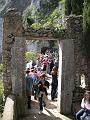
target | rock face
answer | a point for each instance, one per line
(36, 46)
(19, 4)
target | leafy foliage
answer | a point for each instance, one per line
(68, 7)
(86, 26)
(31, 56)
(74, 7)
(1, 68)
(77, 6)
(48, 15)
(58, 33)
(47, 6)
(1, 92)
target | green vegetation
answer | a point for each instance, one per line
(1, 92)
(48, 21)
(74, 7)
(1, 97)
(58, 33)
(49, 15)
(68, 7)
(86, 26)
(31, 56)
(1, 68)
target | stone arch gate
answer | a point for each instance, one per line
(14, 60)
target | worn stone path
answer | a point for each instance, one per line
(49, 113)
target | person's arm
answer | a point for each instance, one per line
(52, 72)
(46, 85)
(83, 103)
(39, 84)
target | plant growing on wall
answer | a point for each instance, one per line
(1, 91)
(58, 33)
(1, 95)
(86, 37)
(86, 27)
(1, 68)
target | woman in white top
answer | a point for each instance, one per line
(85, 105)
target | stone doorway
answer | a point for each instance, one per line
(51, 52)
(66, 64)
(15, 37)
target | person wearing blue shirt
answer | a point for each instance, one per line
(29, 86)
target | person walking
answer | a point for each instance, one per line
(51, 65)
(29, 85)
(42, 93)
(54, 84)
(34, 76)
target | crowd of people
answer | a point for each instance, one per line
(37, 80)
(37, 84)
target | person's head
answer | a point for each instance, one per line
(42, 76)
(28, 70)
(55, 69)
(87, 96)
(32, 69)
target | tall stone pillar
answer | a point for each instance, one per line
(65, 80)
(14, 58)
(74, 27)
(70, 59)
(74, 31)
(17, 73)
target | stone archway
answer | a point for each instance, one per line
(66, 66)
(14, 61)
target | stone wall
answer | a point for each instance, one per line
(10, 112)
(70, 59)
(1, 38)
(40, 34)
(71, 65)
(66, 77)
(12, 28)
(17, 73)
(14, 58)
(74, 27)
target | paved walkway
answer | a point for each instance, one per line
(49, 113)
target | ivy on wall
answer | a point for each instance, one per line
(86, 27)
(58, 33)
